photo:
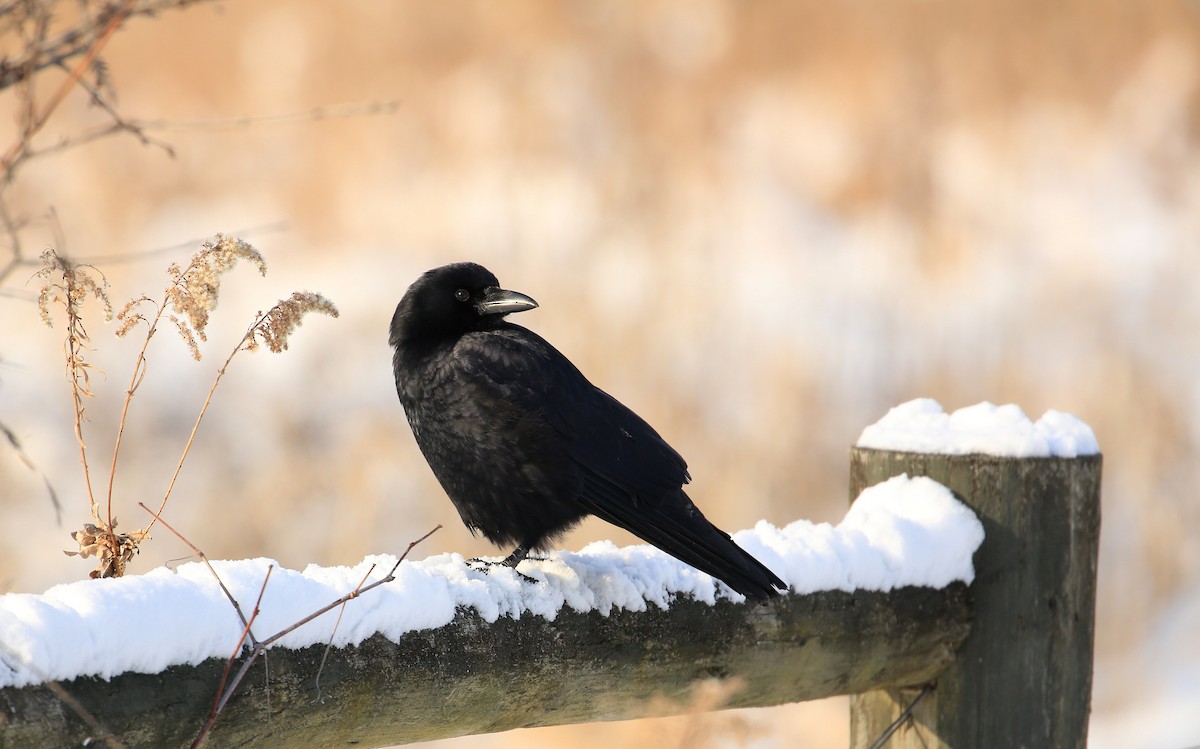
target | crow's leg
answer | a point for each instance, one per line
(511, 561)
(518, 556)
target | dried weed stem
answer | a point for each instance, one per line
(34, 121)
(273, 327)
(204, 558)
(187, 302)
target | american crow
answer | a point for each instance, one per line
(526, 447)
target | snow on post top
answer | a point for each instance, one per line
(921, 426)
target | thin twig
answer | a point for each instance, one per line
(41, 22)
(200, 417)
(85, 136)
(77, 707)
(895, 726)
(273, 326)
(261, 649)
(69, 700)
(139, 368)
(38, 120)
(267, 690)
(70, 43)
(13, 227)
(120, 123)
(140, 255)
(78, 371)
(220, 698)
(140, 128)
(333, 111)
(204, 559)
(18, 294)
(333, 632)
(24, 457)
(391, 575)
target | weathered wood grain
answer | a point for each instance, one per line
(1024, 676)
(477, 677)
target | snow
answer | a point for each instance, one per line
(921, 425)
(905, 531)
(1165, 668)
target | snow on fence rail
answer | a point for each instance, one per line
(905, 592)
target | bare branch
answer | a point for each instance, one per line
(119, 123)
(70, 43)
(391, 575)
(140, 255)
(333, 632)
(38, 119)
(67, 699)
(24, 458)
(69, 284)
(331, 112)
(233, 601)
(273, 327)
(261, 649)
(223, 696)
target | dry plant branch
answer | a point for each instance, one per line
(204, 558)
(12, 228)
(67, 699)
(391, 575)
(140, 128)
(139, 371)
(25, 459)
(42, 51)
(77, 707)
(261, 648)
(137, 256)
(90, 25)
(192, 294)
(71, 285)
(219, 699)
(330, 112)
(118, 124)
(333, 632)
(273, 327)
(187, 302)
(36, 120)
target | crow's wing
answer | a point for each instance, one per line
(627, 473)
(608, 442)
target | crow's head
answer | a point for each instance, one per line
(452, 300)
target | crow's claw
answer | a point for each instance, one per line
(485, 565)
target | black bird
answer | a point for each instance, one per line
(526, 447)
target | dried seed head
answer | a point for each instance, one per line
(68, 284)
(112, 550)
(193, 292)
(277, 324)
(185, 333)
(131, 314)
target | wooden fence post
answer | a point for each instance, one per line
(1023, 678)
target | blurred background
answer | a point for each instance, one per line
(758, 224)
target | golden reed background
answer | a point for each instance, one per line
(759, 224)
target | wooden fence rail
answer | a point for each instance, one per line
(1010, 657)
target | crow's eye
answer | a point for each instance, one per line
(462, 295)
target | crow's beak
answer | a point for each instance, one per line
(501, 302)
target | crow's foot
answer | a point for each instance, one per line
(485, 565)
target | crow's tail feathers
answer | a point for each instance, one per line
(677, 527)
